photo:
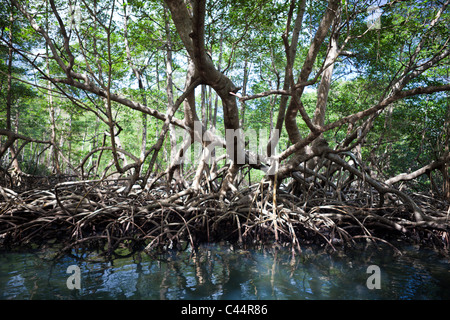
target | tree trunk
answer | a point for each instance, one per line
(12, 149)
(244, 93)
(170, 100)
(325, 84)
(445, 166)
(191, 31)
(203, 105)
(291, 51)
(54, 163)
(295, 104)
(138, 75)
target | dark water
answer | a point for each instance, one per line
(221, 272)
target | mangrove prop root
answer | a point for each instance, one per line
(96, 214)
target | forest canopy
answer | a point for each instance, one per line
(284, 119)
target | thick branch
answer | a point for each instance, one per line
(325, 83)
(122, 100)
(409, 176)
(360, 115)
(12, 136)
(418, 213)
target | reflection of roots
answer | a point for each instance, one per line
(323, 206)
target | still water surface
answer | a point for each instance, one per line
(221, 272)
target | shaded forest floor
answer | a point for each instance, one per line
(96, 215)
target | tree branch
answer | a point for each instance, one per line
(409, 176)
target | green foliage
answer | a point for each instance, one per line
(239, 34)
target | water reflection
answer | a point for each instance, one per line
(221, 272)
